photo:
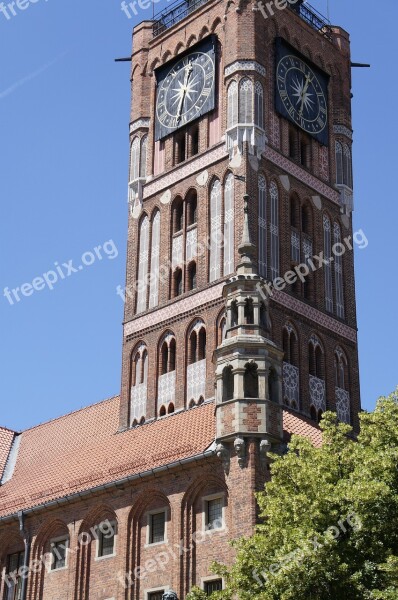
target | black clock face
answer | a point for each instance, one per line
(302, 94)
(186, 91)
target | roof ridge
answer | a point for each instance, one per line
(8, 429)
(70, 413)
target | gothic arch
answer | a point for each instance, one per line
(50, 528)
(191, 41)
(216, 23)
(203, 33)
(179, 48)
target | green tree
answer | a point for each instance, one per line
(329, 519)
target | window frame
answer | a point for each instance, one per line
(99, 537)
(205, 512)
(210, 579)
(52, 566)
(149, 528)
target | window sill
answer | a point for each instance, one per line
(99, 558)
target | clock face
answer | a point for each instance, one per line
(302, 94)
(186, 90)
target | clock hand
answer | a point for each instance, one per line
(307, 83)
(188, 71)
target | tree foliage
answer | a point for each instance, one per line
(329, 519)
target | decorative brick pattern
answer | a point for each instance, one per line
(245, 65)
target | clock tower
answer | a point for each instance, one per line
(232, 107)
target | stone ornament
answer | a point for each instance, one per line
(239, 445)
(223, 454)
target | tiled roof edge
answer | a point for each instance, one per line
(70, 497)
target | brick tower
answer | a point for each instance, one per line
(240, 323)
(229, 101)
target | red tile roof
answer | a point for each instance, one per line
(6, 438)
(299, 425)
(83, 450)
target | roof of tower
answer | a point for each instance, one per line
(83, 451)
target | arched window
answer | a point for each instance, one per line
(317, 378)
(222, 330)
(192, 208)
(341, 369)
(249, 311)
(291, 388)
(135, 159)
(228, 384)
(177, 283)
(250, 381)
(316, 358)
(215, 230)
(192, 276)
(143, 254)
(347, 166)
(155, 256)
(339, 164)
(343, 404)
(229, 224)
(196, 369)
(294, 211)
(232, 117)
(245, 101)
(144, 148)
(178, 215)
(274, 230)
(262, 226)
(259, 105)
(327, 240)
(338, 271)
(234, 313)
(167, 370)
(139, 381)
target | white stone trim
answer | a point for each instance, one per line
(144, 122)
(342, 130)
(244, 65)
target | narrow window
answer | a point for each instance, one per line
(262, 226)
(13, 578)
(245, 101)
(195, 140)
(177, 279)
(232, 117)
(192, 277)
(249, 311)
(144, 148)
(228, 383)
(143, 265)
(180, 150)
(274, 230)
(338, 274)
(172, 356)
(214, 513)
(193, 347)
(202, 344)
(215, 224)
(250, 381)
(328, 267)
(259, 105)
(58, 554)
(339, 164)
(273, 387)
(157, 527)
(192, 209)
(229, 224)
(135, 159)
(106, 539)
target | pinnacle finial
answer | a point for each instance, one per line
(246, 248)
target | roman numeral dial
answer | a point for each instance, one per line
(186, 90)
(301, 93)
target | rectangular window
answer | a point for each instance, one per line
(157, 527)
(58, 554)
(106, 539)
(156, 595)
(214, 513)
(213, 586)
(12, 580)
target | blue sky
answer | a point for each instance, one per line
(64, 111)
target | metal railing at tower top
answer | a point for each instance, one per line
(178, 10)
(175, 12)
(315, 19)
